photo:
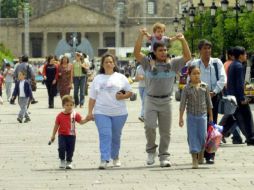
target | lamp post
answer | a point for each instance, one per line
(26, 21)
(119, 14)
(238, 8)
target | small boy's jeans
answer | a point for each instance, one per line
(66, 147)
(110, 131)
(23, 102)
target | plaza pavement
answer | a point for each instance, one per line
(28, 163)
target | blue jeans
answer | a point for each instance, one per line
(79, 90)
(110, 131)
(142, 93)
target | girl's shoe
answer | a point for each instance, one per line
(103, 165)
(194, 160)
(116, 163)
(27, 120)
(62, 164)
(19, 120)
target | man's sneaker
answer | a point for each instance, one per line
(103, 165)
(150, 158)
(68, 165)
(165, 163)
(34, 102)
(27, 120)
(141, 119)
(62, 164)
(19, 120)
(116, 163)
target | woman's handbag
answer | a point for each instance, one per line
(227, 105)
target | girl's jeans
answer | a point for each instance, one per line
(23, 103)
(110, 130)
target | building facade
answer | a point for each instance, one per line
(96, 21)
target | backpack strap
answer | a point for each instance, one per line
(216, 70)
(73, 116)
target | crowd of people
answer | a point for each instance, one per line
(209, 80)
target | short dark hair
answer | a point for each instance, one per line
(191, 68)
(7, 65)
(230, 51)
(157, 45)
(237, 51)
(203, 43)
(102, 70)
(66, 99)
(24, 58)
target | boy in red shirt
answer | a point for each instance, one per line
(65, 125)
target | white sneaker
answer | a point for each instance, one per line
(116, 162)
(165, 163)
(150, 158)
(68, 165)
(62, 164)
(103, 165)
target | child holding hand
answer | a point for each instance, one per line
(198, 101)
(65, 125)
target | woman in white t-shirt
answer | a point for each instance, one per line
(107, 107)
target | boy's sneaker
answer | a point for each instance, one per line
(19, 120)
(116, 162)
(165, 163)
(62, 164)
(27, 120)
(150, 158)
(103, 165)
(68, 165)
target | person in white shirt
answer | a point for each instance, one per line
(107, 107)
(8, 75)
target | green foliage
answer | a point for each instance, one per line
(221, 31)
(10, 8)
(5, 54)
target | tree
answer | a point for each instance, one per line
(10, 8)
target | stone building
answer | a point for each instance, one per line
(93, 20)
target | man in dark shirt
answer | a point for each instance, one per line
(235, 86)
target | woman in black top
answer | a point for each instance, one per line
(50, 73)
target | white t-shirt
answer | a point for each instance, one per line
(104, 89)
(21, 88)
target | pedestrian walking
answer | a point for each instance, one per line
(140, 77)
(159, 89)
(79, 79)
(8, 75)
(65, 125)
(213, 74)
(23, 91)
(50, 74)
(235, 87)
(107, 107)
(196, 97)
(65, 77)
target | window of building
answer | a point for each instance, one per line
(151, 7)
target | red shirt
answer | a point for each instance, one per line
(64, 122)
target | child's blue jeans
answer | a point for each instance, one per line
(110, 130)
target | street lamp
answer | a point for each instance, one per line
(175, 23)
(249, 5)
(213, 9)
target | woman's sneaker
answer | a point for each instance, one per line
(103, 165)
(68, 165)
(62, 164)
(116, 163)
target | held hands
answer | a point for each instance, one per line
(89, 117)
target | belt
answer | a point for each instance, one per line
(164, 96)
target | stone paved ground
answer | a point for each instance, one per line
(27, 162)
